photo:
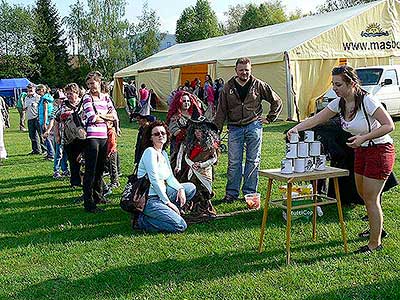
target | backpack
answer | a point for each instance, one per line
(74, 127)
(134, 197)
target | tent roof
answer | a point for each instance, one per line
(265, 43)
(14, 83)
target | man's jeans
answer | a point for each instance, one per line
(157, 216)
(247, 137)
(60, 159)
(34, 135)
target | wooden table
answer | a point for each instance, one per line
(275, 174)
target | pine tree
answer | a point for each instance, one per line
(50, 49)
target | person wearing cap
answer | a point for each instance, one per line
(143, 121)
(240, 104)
(30, 106)
(196, 157)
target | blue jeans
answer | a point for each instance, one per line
(249, 137)
(157, 216)
(48, 142)
(60, 159)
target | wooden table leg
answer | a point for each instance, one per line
(339, 206)
(288, 220)
(314, 220)
(264, 220)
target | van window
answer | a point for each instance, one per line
(369, 76)
(391, 74)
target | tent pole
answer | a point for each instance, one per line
(289, 97)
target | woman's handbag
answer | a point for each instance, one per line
(134, 197)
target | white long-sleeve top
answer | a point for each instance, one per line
(159, 171)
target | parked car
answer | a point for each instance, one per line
(380, 81)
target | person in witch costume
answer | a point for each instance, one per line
(196, 157)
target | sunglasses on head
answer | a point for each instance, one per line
(163, 133)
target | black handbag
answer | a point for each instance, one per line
(134, 197)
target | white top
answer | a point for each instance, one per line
(158, 169)
(358, 125)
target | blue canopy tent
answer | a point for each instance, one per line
(10, 89)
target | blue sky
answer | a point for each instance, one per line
(170, 10)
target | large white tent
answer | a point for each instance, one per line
(295, 57)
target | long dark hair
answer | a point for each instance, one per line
(350, 76)
(147, 142)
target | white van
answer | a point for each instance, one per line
(380, 81)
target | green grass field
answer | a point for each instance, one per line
(51, 249)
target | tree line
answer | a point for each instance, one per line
(35, 42)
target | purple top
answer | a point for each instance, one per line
(92, 107)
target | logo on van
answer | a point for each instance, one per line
(374, 30)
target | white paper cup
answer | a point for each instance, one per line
(315, 148)
(287, 166)
(320, 163)
(291, 150)
(309, 136)
(309, 164)
(294, 138)
(302, 149)
(299, 165)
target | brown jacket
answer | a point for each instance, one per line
(240, 113)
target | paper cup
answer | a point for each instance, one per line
(252, 200)
(299, 165)
(291, 150)
(309, 136)
(302, 149)
(315, 148)
(287, 166)
(320, 163)
(309, 165)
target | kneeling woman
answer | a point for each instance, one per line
(166, 194)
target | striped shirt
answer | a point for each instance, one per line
(92, 107)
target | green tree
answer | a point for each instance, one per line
(145, 37)
(50, 49)
(197, 23)
(99, 35)
(331, 5)
(186, 25)
(265, 14)
(16, 41)
(15, 30)
(75, 24)
(234, 16)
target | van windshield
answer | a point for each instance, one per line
(369, 76)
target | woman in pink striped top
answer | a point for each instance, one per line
(98, 109)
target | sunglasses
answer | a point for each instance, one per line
(163, 133)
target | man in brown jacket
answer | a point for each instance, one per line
(240, 104)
